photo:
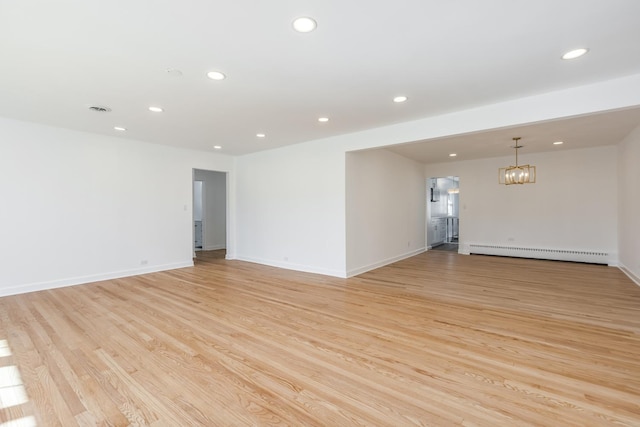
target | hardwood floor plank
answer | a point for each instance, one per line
(435, 340)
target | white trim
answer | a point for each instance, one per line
(360, 270)
(72, 281)
(559, 254)
(629, 274)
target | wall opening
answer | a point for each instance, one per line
(443, 213)
(209, 210)
(198, 202)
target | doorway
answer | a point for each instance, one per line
(209, 210)
(443, 221)
(198, 201)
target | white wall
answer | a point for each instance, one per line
(290, 205)
(291, 201)
(629, 204)
(89, 207)
(215, 208)
(78, 207)
(385, 211)
(573, 205)
(197, 200)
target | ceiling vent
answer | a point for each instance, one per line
(99, 108)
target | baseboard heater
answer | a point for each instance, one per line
(593, 257)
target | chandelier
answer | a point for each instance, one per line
(518, 174)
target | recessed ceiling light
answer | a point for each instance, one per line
(120, 128)
(217, 147)
(558, 143)
(304, 24)
(260, 135)
(399, 99)
(323, 119)
(452, 155)
(156, 109)
(576, 53)
(216, 75)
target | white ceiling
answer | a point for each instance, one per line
(578, 132)
(59, 57)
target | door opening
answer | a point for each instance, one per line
(443, 221)
(209, 211)
(198, 202)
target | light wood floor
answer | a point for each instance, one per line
(439, 339)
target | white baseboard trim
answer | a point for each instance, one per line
(81, 280)
(629, 274)
(550, 253)
(364, 269)
(290, 266)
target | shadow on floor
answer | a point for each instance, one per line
(448, 247)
